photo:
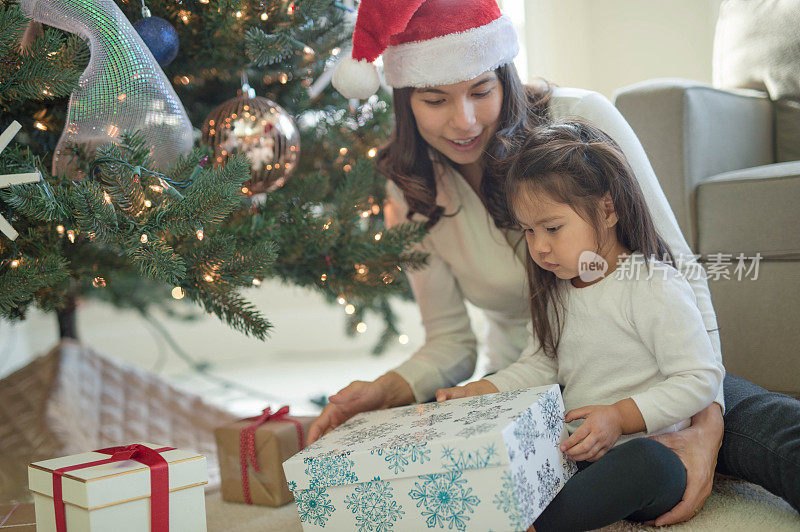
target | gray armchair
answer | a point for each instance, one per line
(714, 154)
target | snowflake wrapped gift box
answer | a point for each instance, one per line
(478, 463)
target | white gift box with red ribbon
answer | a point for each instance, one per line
(489, 462)
(135, 488)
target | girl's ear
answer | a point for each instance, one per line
(609, 212)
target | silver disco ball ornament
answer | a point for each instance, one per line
(260, 129)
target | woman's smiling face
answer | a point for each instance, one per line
(459, 119)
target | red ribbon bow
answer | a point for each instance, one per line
(247, 442)
(159, 482)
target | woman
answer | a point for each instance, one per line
(460, 108)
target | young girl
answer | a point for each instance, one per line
(628, 347)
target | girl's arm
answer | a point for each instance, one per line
(533, 368)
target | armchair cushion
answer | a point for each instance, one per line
(692, 131)
(756, 45)
(751, 211)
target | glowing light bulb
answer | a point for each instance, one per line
(372, 152)
(71, 235)
(256, 282)
(361, 327)
(323, 277)
(378, 236)
(14, 263)
(264, 16)
(349, 309)
(200, 234)
(60, 229)
(178, 292)
(148, 203)
(403, 339)
(143, 238)
(341, 300)
(208, 278)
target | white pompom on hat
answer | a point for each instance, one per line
(425, 43)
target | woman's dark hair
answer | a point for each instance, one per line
(405, 159)
(576, 163)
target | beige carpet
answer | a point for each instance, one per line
(732, 506)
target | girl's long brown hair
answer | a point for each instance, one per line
(576, 163)
(405, 159)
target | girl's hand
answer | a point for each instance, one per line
(480, 387)
(593, 439)
(697, 447)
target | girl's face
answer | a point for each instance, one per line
(459, 119)
(557, 235)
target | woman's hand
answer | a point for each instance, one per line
(697, 447)
(481, 387)
(360, 396)
(598, 434)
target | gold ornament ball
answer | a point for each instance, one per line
(260, 129)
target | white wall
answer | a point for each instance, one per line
(606, 44)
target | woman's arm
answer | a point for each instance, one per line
(447, 357)
(450, 350)
(697, 447)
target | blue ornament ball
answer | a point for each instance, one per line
(160, 37)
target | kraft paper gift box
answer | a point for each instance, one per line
(274, 441)
(115, 495)
(488, 462)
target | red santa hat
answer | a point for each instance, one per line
(425, 43)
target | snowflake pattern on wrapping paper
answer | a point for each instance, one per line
(432, 419)
(474, 416)
(415, 410)
(479, 401)
(447, 499)
(313, 505)
(460, 459)
(526, 433)
(333, 470)
(373, 507)
(397, 458)
(526, 494)
(549, 483)
(407, 439)
(506, 501)
(472, 430)
(367, 434)
(354, 422)
(551, 416)
(568, 467)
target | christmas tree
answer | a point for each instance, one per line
(140, 214)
